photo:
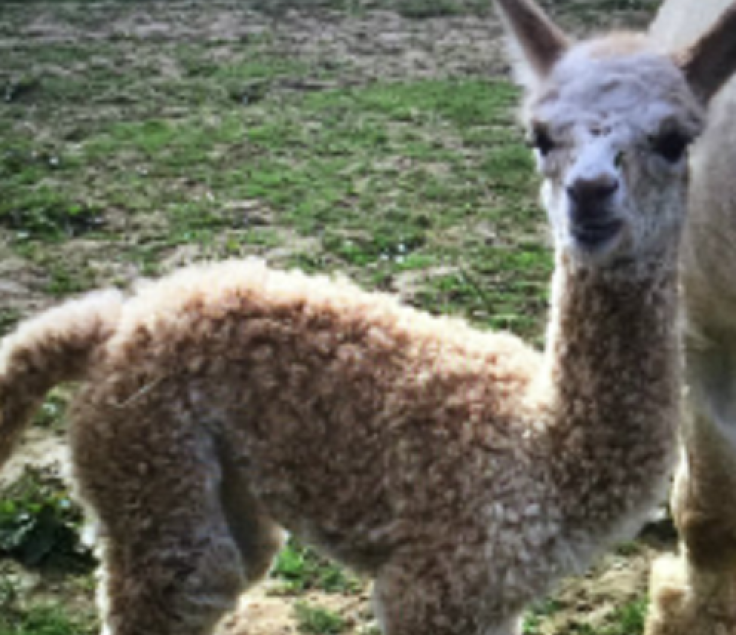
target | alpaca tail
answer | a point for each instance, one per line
(53, 347)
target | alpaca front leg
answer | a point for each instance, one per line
(690, 601)
(439, 594)
(694, 593)
(702, 500)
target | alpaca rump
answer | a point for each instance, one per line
(461, 469)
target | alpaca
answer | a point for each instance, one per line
(462, 470)
(695, 592)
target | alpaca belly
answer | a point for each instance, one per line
(345, 517)
(334, 501)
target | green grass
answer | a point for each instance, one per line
(8, 319)
(39, 529)
(39, 524)
(414, 9)
(316, 620)
(51, 413)
(45, 619)
(536, 615)
(628, 619)
(391, 179)
(625, 620)
(301, 569)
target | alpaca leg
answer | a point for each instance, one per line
(170, 563)
(184, 582)
(168, 587)
(438, 595)
(671, 610)
(686, 600)
(695, 592)
(176, 575)
(257, 536)
(702, 501)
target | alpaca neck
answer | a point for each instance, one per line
(613, 363)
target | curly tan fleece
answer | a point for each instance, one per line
(456, 466)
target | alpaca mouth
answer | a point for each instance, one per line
(594, 235)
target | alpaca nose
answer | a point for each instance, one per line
(589, 196)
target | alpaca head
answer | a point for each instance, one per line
(611, 120)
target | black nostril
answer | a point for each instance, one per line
(592, 191)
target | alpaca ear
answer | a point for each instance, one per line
(536, 43)
(709, 62)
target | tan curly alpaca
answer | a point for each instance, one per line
(461, 469)
(695, 592)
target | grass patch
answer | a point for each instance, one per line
(47, 214)
(316, 620)
(44, 619)
(390, 179)
(536, 615)
(300, 569)
(39, 524)
(66, 280)
(627, 620)
(9, 317)
(34, 205)
(51, 413)
(414, 9)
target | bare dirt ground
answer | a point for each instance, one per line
(376, 45)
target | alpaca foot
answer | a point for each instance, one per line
(686, 602)
(670, 609)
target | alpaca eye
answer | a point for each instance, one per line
(670, 145)
(541, 140)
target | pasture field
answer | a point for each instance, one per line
(377, 139)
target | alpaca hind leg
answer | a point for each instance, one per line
(257, 536)
(170, 563)
(168, 588)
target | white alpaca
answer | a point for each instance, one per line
(460, 469)
(695, 593)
